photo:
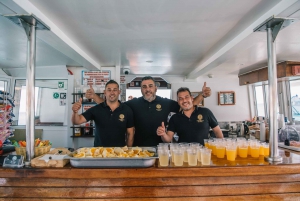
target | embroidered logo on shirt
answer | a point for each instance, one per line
(121, 117)
(200, 118)
(158, 107)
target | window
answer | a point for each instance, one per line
(295, 99)
(22, 110)
(260, 108)
(3, 85)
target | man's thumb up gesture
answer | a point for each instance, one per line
(206, 91)
(76, 106)
(161, 130)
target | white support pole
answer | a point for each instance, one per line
(273, 99)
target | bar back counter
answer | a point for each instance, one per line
(243, 179)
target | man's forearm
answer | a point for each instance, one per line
(198, 99)
(129, 142)
(75, 118)
(218, 132)
(98, 99)
(166, 137)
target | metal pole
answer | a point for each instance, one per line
(265, 95)
(30, 98)
(273, 99)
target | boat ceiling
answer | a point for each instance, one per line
(190, 38)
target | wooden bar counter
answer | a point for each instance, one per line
(244, 179)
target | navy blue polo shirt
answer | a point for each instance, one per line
(193, 129)
(148, 116)
(110, 125)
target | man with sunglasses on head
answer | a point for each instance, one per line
(192, 124)
(150, 110)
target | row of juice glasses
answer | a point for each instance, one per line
(190, 153)
(233, 147)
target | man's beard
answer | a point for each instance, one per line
(188, 108)
(150, 99)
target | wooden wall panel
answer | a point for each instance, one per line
(192, 181)
(284, 70)
(145, 192)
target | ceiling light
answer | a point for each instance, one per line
(149, 61)
(210, 75)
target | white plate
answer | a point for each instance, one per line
(281, 144)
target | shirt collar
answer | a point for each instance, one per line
(157, 98)
(105, 104)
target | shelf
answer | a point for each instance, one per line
(88, 103)
(88, 136)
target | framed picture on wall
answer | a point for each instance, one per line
(195, 94)
(226, 98)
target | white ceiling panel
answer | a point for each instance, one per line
(163, 37)
(176, 33)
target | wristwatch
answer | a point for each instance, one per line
(203, 95)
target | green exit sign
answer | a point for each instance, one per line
(61, 85)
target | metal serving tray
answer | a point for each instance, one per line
(115, 162)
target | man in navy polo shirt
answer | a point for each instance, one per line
(113, 119)
(192, 124)
(150, 110)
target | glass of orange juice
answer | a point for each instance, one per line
(220, 149)
(210, 141)
(266, 149)
(213, 148)
(243, 149)
(206, 143)
(261, 149)
(231, 151)
(254, 149)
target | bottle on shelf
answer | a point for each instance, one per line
(87, 128)
(287, 140)
(95, 87)
(262, 129)
(77, 89)
(77, 130)
(85, 88)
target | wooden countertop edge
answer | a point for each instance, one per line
(152, 172)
